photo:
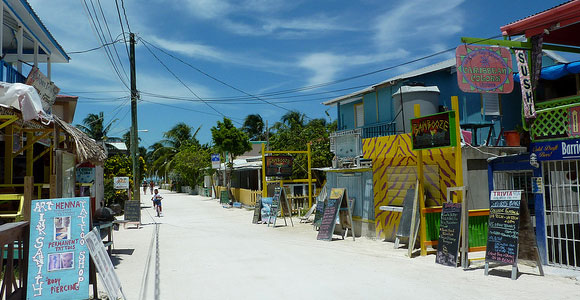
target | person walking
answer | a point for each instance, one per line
(144, 187)
(157, 203)
(151, 186)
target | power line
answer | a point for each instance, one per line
(111, 38)
(214, 78)
(189, 109)
(93, 49)
(180, 81)
(123, 28)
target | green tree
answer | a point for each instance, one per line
(254, 127)
(116, 166)
(227, 138)
(190, 164)
(93, 126)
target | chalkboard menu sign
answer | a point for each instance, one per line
(133, 211)
(319, 212)
(448, 245)
(434, 131)
(257, 210)
(224, 197)
(502, 235)
(330, 213)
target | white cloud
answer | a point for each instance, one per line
(325, 66)
(418, 21)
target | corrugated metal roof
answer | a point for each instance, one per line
(543, 11)
(391, 81)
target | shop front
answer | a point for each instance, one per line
(560, 166)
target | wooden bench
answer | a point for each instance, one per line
(12, 215)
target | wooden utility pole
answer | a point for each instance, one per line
(134, 136)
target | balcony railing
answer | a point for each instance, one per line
(9, 74)
(379, 129)
(552, 120)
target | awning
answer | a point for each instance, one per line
(560, 24)
(556, 72)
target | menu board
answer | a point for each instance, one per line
(503, 233)
(330, 213)
(448, 245)
(318, 214)
(257, 209)
(133, 211)
(58, 262)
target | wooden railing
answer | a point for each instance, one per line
(14, 248)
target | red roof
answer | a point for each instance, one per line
(562, 23)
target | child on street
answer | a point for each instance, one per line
(157, 203)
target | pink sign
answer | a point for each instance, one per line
(574, 121)
(483, 69)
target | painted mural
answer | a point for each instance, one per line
(395, 171)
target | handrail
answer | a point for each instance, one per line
(13, 240)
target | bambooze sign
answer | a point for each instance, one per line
(484, 69)
(58, 262)
(557, 150)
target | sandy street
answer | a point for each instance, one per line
(200, 250)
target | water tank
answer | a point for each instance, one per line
(407, 97)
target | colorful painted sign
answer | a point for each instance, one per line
(526, 84)
(434, 131)
(557, 150)
(574, 121)
(482, 69)
(58, 265)
(280, 166)
(121, 183)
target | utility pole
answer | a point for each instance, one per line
(134, 134)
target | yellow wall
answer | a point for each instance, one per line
(395, 171)
(246, 197)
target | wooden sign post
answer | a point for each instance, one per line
(503, 244)
(410, 219)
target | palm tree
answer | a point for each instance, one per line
(254, 127)
(162, 153)
(93, 127)
(293, 119)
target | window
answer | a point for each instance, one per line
(359, 115)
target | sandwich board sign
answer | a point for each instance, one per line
(104, 265)
(336, 207)
(58, 265)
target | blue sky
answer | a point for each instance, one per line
(254, 46)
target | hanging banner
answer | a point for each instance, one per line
(280, 166)
(482, 69)
(526, 84)
(58, 265)
(434, 131)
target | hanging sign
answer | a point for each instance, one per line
(121, 183)
(526, 84)
(556, 150)
(434, 131)
(280, 166)
(574, 121)
(482, 69)
(58, 265)
(46, 89)
(215, 161)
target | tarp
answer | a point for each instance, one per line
(556, 72)
(24, 98)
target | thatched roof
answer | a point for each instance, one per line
(86, 148)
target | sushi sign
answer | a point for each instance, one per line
(483, 69)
